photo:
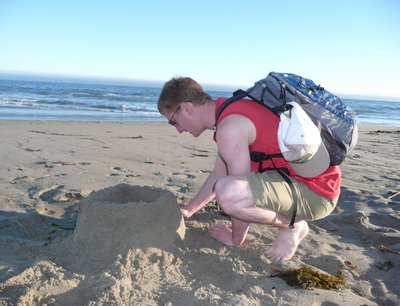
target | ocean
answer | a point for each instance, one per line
(34, 100)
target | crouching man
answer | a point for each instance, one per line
(246, 190)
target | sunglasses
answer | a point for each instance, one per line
(170, 121)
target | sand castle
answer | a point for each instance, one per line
(116, 219)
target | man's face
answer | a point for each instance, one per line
(184, 120)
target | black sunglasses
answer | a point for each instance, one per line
(173, 123)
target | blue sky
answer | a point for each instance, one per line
(349, 46)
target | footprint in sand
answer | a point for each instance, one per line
(185, 175)
(382, 228)
(179, 187)
(180, 181)
(57, 194)
(380, 223)
(118, 171)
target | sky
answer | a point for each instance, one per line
(349, 46)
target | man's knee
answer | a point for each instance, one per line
(227, 193)
(222, 191)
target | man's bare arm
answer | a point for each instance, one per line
(235, 135)
(206, 192)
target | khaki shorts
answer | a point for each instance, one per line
(270, 190)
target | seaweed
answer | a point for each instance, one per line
(308, 278)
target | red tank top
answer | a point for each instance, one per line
(326, 184)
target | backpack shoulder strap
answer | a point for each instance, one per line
(237, 95)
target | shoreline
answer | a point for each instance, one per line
(150, 120)
(139, 120)
(48, 167)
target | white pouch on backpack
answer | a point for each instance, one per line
(300, 142)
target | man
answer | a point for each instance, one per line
(242, 193)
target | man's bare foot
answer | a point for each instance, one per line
(287, 241)
(222, 233)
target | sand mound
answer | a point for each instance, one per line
(114, 220)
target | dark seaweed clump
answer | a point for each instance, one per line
(308, 278)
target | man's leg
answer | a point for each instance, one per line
(235, 198)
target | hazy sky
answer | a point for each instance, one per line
(349, 46)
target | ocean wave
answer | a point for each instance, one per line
(45, 99)
(62, 104)
(17, 102)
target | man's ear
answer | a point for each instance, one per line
(188, 107)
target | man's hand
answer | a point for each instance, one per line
(186, 213)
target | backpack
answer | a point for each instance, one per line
(336, 121)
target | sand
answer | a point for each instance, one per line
(89, 216)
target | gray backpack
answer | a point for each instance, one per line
(336, 121)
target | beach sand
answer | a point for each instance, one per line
(89, 216)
